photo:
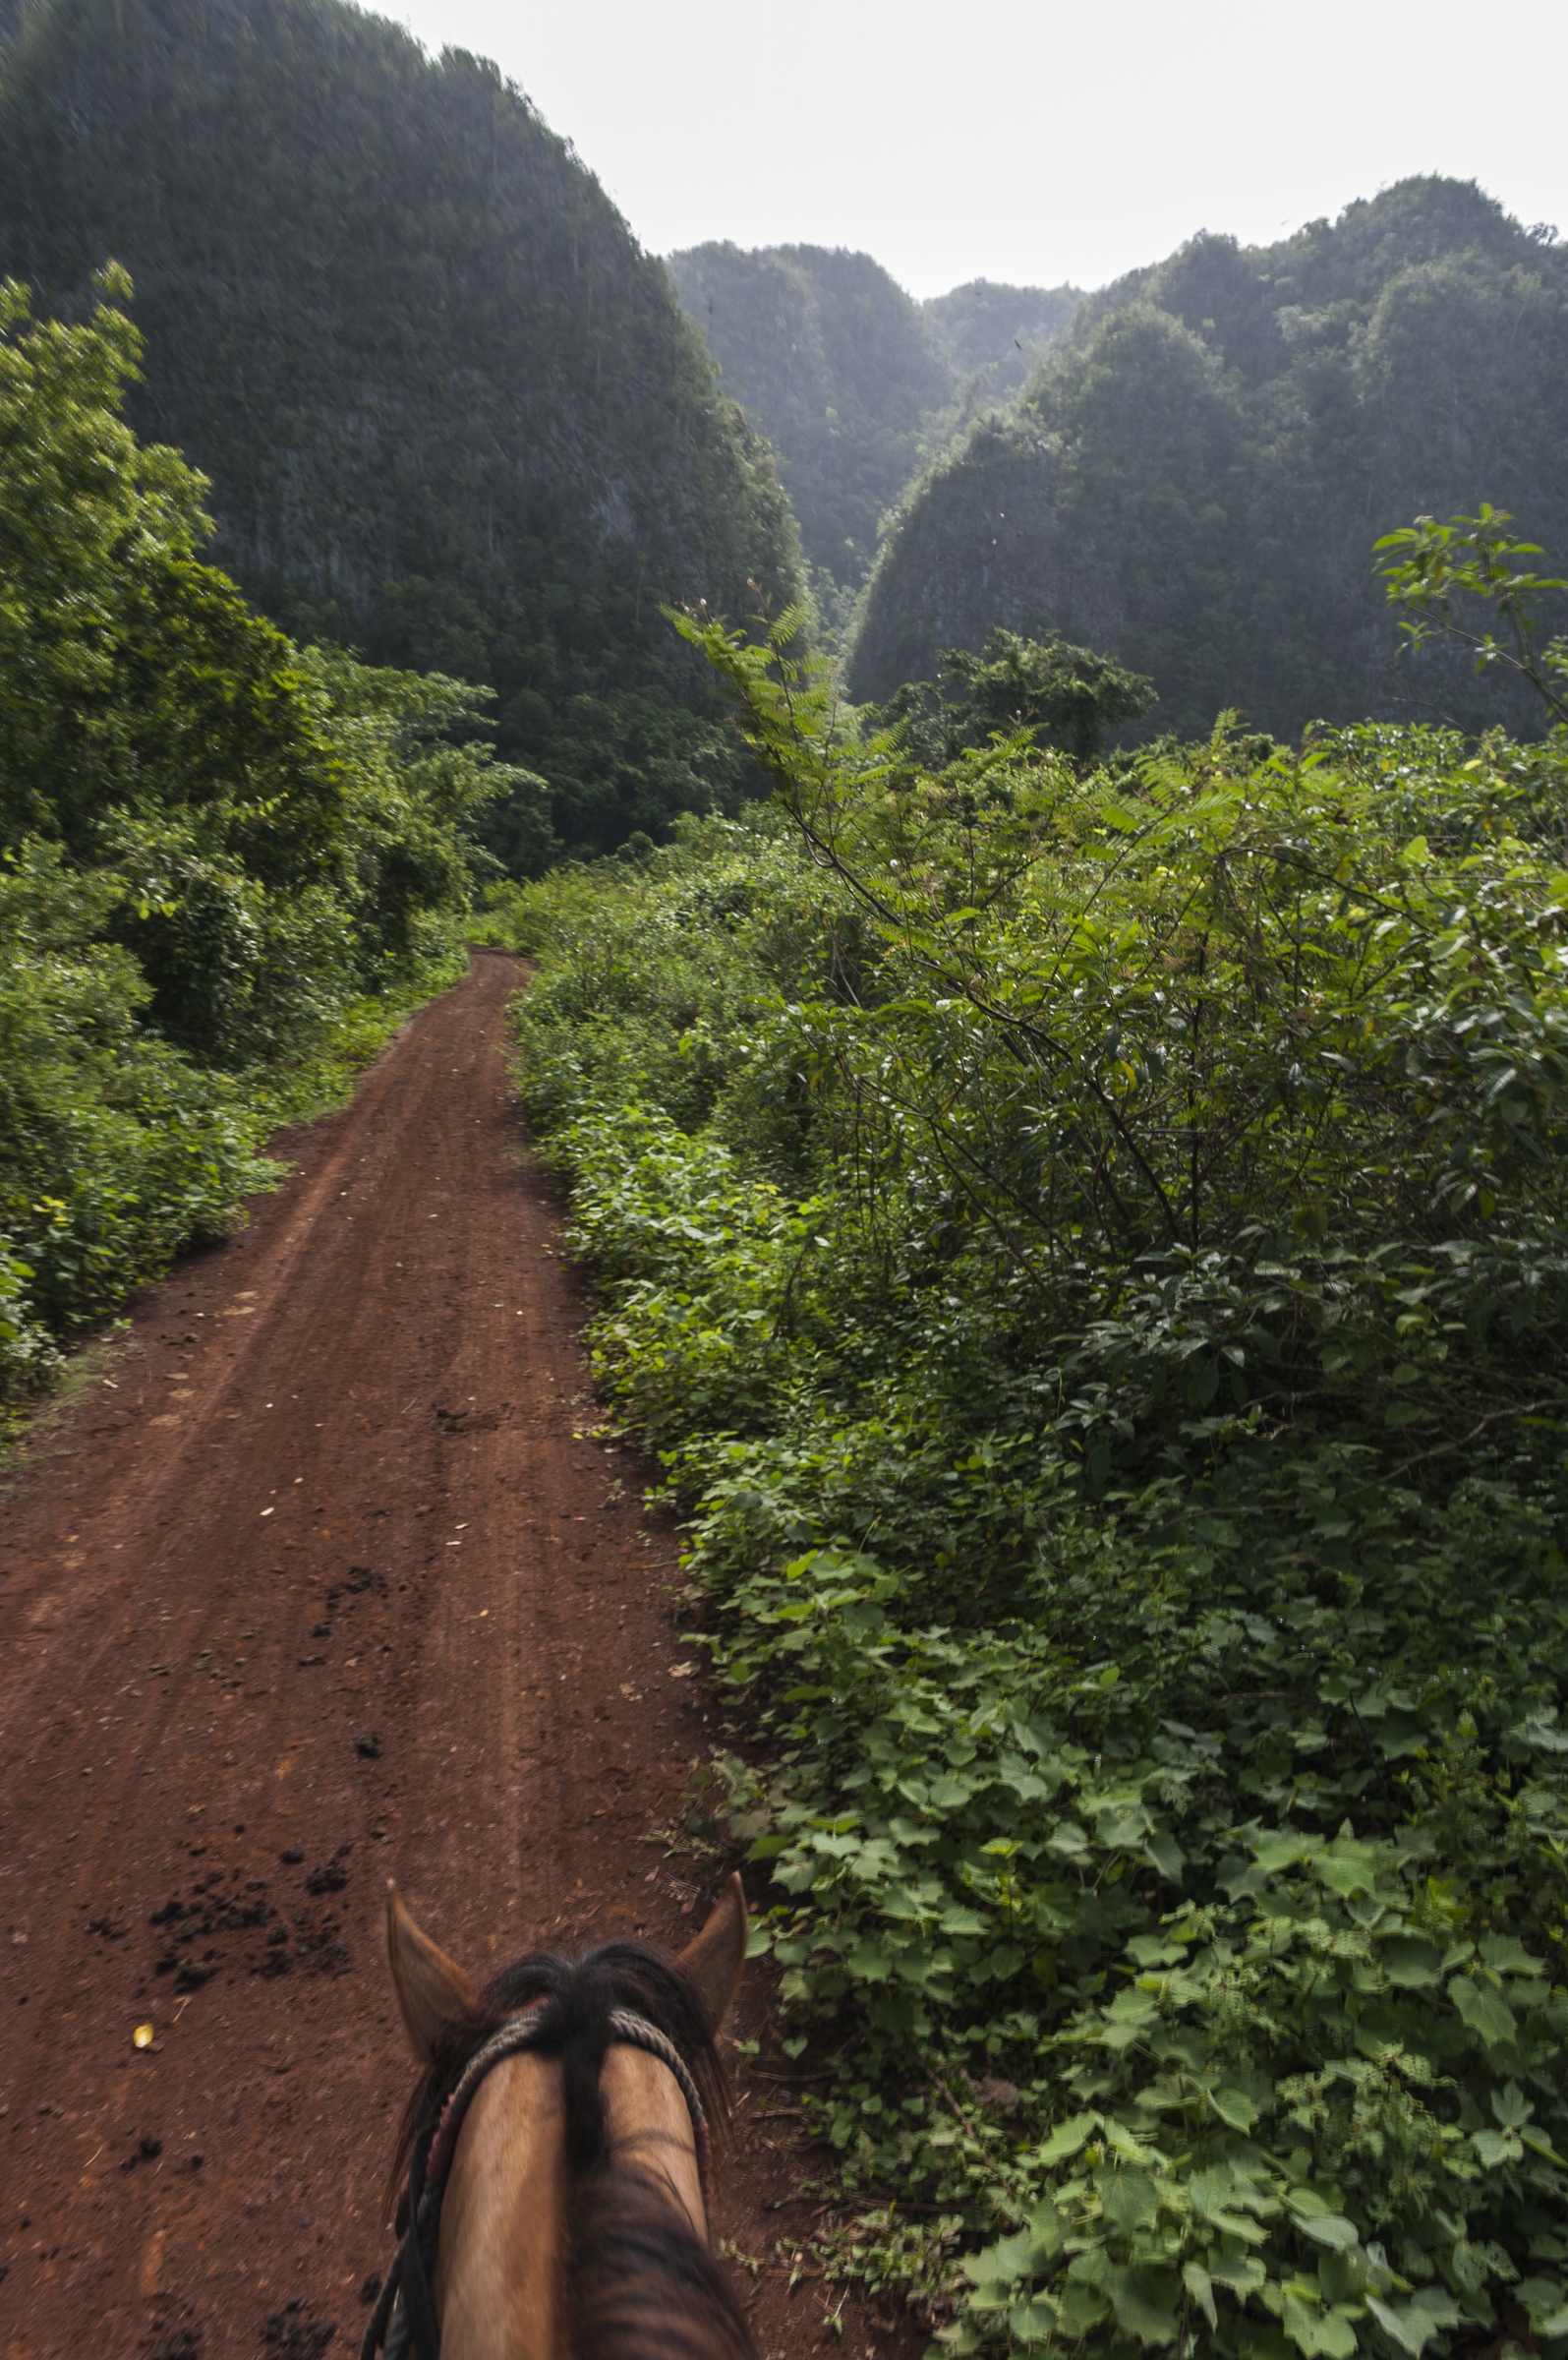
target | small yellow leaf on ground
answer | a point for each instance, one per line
(143, 2036)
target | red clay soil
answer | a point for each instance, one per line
(321, 1580)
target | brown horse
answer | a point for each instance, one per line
(556, 2203)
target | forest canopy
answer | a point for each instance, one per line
(1192, 478)
(451, 415)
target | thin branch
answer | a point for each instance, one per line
(1443, 1450)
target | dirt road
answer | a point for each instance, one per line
(322, 1580)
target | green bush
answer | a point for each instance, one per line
(1090, 1249)
(115, 1147)
(217, 851)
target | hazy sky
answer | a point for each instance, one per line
(1026, 139)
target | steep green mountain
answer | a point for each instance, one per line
(1192, 480)
(451, 412)
(1001, 329)
(838, 367)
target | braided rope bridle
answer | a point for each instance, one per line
(404, 2322)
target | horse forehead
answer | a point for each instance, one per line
(496, 2290)
(647, 2123)
(519, 2103)
(640, 2091)
(522, 2099)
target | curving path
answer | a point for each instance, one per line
(320, 1579)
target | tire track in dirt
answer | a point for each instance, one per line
(320, 1581)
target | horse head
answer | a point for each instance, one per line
(558, 2201)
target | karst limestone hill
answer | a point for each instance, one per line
(1193, 477)
(451, 412)
(852, 382)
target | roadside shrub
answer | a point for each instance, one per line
(1101, 1315)
(218, 849)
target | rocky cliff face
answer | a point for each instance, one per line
(838, 367)
(1194, 477)
(449, 406)
(852, 382)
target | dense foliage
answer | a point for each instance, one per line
(218, 854)
(451, 414)
(1090, 1246)
(1060, 694)
(1192, 480)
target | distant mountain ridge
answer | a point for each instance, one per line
(1000, 333)
(449, 408)
(1192, 478)
(849, 377)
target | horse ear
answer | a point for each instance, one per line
(433, 1991)
(714, 1958)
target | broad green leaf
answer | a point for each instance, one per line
(1348, 1867)
(1412, 2325)
(1080, 2307)
(1411, 1963)
(1067, 2138)
(1047, 2233)
(1274, 1853)
(1006, 2260)
(1128, 2197)
(1484, 2010)
(1199, 2284)
(1165, 1853)
(1510, 2106)
(1235, 2107)
(1508, 1957)
(1144, 2303)
(1328, 2228)
(1331, 2334)
(956, 1919)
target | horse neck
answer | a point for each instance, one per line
(507, 2219)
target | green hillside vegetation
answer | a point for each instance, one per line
(226, 863)
(1191, 481)
(838, 367)
(1090, 1247)
(853, 382)
(451, 414)
(999, 333)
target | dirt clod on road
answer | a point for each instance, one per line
(324, 1578)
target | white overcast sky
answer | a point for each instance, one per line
(1026, 139)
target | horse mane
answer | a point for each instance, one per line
(640, 2284)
